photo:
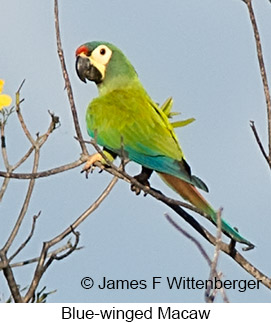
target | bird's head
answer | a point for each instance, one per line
(104, 64)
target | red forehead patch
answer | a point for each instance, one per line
(82, 49)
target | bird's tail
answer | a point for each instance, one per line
(191, 194)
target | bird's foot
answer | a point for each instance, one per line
(142, 178)
(89, 165)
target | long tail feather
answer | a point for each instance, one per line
(191, 194)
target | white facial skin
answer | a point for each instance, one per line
(100, 58)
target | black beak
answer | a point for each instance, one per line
(85, 70)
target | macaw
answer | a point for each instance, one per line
(124, 119)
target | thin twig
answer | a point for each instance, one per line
(5, 159)
(46, 173)
(3, 146)
(9, 167)
(71, 249)
(35, 217)
(264, 81)
(23, 159)
(67, 81)
(213, 271)
(190, 237)
(68, 245)
(24, 208)
(258, 140)
(4, 187)
(20, 117)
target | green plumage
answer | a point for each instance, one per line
(151, 142)
(123, 118)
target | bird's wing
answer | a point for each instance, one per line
(131, 119)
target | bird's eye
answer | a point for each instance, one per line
(102, 54)
(102, 51)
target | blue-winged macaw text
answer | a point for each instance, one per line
(129, 315)
(173, 283)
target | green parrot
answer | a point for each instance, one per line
(124, 119)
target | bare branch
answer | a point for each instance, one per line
(8, 273)
(209, 297)
(194, 240)
(35, 217)
(4, 187)
(258, 140)
(25, 205)
(264, 81)
(227, 249)
(68, 245)
(3, 146)
(174, 204)
(37, 144)
(71, 249)
(46, 173)
(202, 251)
(42, 266)
(67, 81)
(5, 159)
(23, 159)
(20, 117)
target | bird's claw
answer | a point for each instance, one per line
(89, 165)
(141, 178)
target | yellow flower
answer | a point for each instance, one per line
(5, 100)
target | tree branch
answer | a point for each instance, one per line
(264, 81)
(204, 254)
(20, 117)
(68, 245)
(5, 159)
(209, 297)
(227, 249)
(258, 140)
(42, 265)
(174, 204)
(36, 144)
(8, 273)
(24, 208)
(46, 173)
(67, 81)
(35, 217)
